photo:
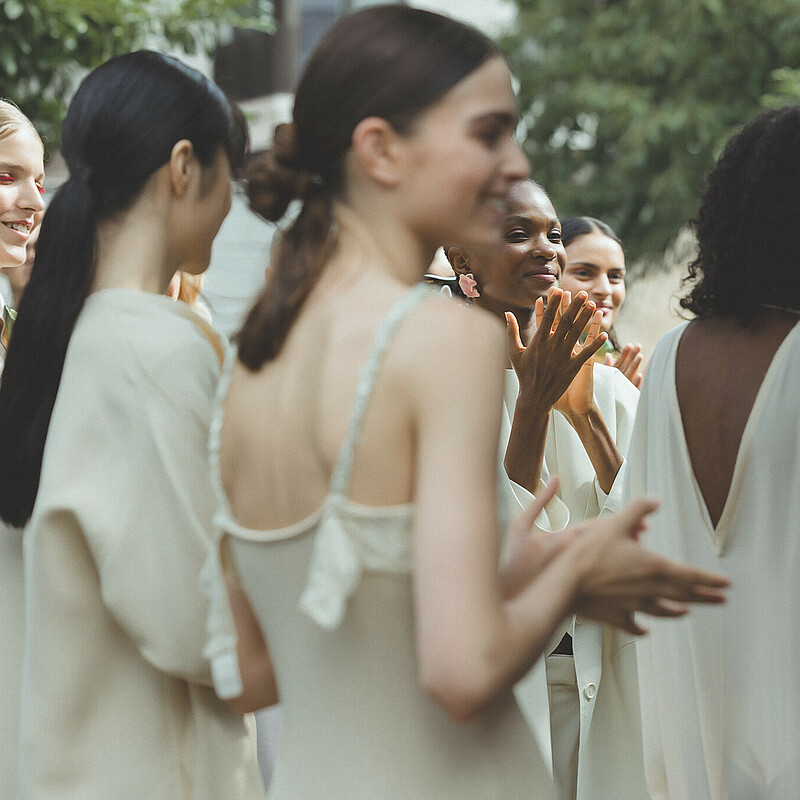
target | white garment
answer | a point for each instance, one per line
(333, 594)
(117, 701)
(719, 687)
(609, 760)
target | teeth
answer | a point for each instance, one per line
(22, 227)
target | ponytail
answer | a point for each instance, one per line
(273, 181)
(120, 128)
(52, 301)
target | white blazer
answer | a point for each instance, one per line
(610, 762)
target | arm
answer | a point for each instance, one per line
(546, 369)
(471, 643)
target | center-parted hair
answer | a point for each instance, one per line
(392, 62)
(119, 129)
(748, 224)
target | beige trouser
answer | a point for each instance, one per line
(565, 716)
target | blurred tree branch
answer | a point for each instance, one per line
(47, 45)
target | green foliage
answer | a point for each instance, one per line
(627, 103)
(46, 45)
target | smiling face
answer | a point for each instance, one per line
(530, 258)
(21, 189)
(596, 264)
(462, 160)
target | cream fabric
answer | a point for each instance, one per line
(116, 699)
(12, 634)
(719, 687)
(609, 760)
(333, 594)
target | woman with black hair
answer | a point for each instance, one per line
(716, 436)
(104, 440)
(596, 265)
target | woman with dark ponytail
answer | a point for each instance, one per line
(104, 447)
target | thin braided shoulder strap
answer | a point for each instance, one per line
(340, 477)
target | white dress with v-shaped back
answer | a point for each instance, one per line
(333, 594)
(719, 688)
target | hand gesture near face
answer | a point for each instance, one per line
(629, 363)
(552, 359)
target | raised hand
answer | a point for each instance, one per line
(579, 397)
(629, 363)
(550, 362)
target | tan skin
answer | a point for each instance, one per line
(554, 370)
(719, 369)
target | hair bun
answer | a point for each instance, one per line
(275, 177)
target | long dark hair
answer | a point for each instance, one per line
(574, 227)
(120, 128)
(391, 62)
(748, 224)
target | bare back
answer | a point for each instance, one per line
(284, 425)
(719, 369)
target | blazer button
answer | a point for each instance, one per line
(590, 691)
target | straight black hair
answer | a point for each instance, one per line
(119, 129)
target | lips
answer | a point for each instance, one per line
(543, 274)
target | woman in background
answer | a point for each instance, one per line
(21, 209)
(357, 453)
(596, 265)
(105, 441)
(581, 700)
(716, 437)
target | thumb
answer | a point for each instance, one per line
(515, 345)
(632, 520)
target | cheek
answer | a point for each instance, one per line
(618, 294)
(6, 199)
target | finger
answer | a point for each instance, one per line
(631, 519)
(609, 360)
(580, 325)
(588, 350)
(660, 607)
(538, 310)
(595, 324)
(515, 346)
(569, 314)
(633, 367)
(636, 380)
(553, 302)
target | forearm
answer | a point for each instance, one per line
(526, 443)
(599, 446)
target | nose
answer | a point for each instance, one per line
(515, 167)
(542, 247)
(30, 198)
(602, 286)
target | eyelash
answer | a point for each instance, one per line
(6, 179)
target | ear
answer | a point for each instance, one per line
(377, 148)
(182, 166)
(459, 261)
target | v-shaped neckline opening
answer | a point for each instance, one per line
(716, 532)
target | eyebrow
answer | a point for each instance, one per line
(519, 219)
(504, 117)
(9, 167)
(592, 265)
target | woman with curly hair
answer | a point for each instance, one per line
(716, 437)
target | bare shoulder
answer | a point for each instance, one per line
(446, 336)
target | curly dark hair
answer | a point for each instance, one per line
(749, 219)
